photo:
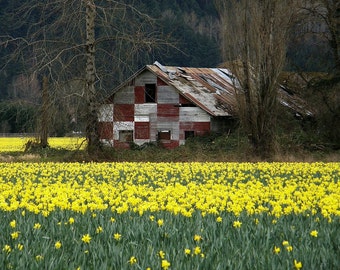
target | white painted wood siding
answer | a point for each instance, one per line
(105, 113)
(167, 95)
(146, 78)
(125, 96)
(193, 114)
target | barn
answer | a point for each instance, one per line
(168, 104)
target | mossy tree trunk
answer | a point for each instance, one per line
(92, 134)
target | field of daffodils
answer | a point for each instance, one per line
(170, 216)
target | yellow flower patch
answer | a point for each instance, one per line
(180, 188)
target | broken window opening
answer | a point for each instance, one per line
(150, 93)
(125, 135)
(164, 135)
(189, 134)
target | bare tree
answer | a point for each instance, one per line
(94, 42)
(254, 38)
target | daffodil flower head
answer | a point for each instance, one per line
(71, 220)
(237, 224)
(197, 250)
(160, 222)
(297, 265)
(285, 243)
(277, 250)
(187, 251)
(197, 238)
(161, 254)
(13, 224)
(117, 236)
(86, 238)
(289, 248)
(314, 233)
(7, 248)
(15, 235)
(57, 245)
(133, 260)
(99, 229)
(165, 264)
(39, 258)
(37, 226)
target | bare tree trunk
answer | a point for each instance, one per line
(91, 96)
(44, 114)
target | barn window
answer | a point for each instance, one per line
(189, 134)
(164, 135)
(150, 93)
(125, 135)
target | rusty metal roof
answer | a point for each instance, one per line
(214, 89)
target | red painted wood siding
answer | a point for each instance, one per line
(183, 100)
(142, 130)
(169, 111)
(105, 130)
(124, 112)
(139, 94)
(200, 128)
(160, 82)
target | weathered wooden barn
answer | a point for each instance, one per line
(170, 104)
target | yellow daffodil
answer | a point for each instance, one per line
(160, 222)
(117, 236)
(277, 250)
(314, 233)
(86, 238)
(99, 229)
(285, 243)
(15, 235)
(133, 260)
(197, 250)
(165, 264)
(187, 251)
(13, 224)
(7, 248)
(57, 245)
(197, 238)
(37, 226)
(161, 254)
(39, 258)
(289, 248)
(297, 265)
(237, 224)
